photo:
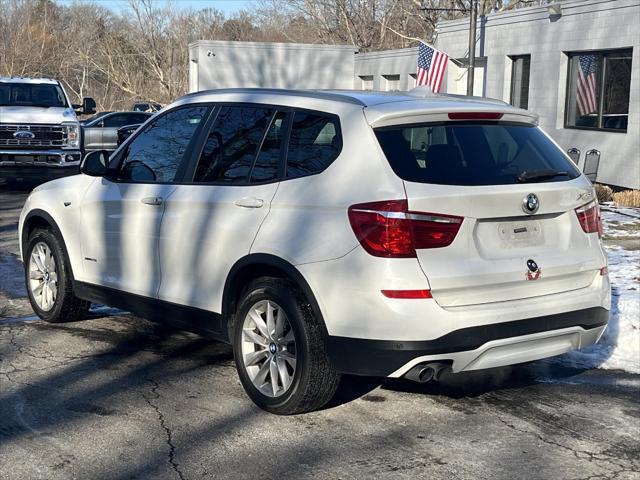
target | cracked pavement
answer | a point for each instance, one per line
(118, 397)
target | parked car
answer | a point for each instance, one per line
(125, 132)
(325, 233)
(94, 117)
(146, 107)
(39, 129)
(101, 132)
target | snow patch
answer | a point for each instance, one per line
(619, 347)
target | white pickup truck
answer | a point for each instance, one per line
(39, 130)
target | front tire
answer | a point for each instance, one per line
(279, 349)
(48, 280)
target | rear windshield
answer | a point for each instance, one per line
(473, 154)
(32, 95)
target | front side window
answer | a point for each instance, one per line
(155, 155)
(599, 87)
(232, 144)
(520, 67)
(314, 144)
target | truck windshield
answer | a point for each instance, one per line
(31, 95)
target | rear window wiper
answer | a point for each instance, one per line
(533, 175)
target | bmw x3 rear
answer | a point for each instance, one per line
(396, 235)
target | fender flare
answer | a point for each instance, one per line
(254, 259)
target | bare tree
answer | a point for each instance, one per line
(142, 53)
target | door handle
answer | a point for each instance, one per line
(250, 202)
(152, 200)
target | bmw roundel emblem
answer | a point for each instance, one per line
(532, 266)
(530, 204)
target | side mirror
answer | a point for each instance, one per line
(88, 106)
(95, 164)
(137, 171)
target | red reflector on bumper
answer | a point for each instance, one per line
(407, 293)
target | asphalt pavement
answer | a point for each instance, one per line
(118, 397)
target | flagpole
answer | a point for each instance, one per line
(472, 46)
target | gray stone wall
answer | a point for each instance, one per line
(382, 65)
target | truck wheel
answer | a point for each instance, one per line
(279, 350)
(48, 280)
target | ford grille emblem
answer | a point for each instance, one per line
(23, 134)
(532, 266)
(530, 204)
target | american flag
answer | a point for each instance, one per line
(586, 95)
(431, 66)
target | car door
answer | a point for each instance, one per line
(113, 122)
(121, 214)
(211, 223)
(92, 135)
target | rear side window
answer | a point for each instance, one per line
(232, 144)
(314, 144)
(267, 162)
(472, 153)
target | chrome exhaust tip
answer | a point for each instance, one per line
(425, 372)
(420, 374)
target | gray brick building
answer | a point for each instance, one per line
(531, 57)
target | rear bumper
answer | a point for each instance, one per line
(473, 348)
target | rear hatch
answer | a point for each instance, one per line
(520, 236)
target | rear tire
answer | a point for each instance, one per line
(48, 280)
(276, 332)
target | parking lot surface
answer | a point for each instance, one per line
(118, 397)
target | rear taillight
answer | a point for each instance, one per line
(389, 229)
(589, 218)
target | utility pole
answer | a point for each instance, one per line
(472, 46)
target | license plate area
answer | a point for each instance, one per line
(520, 233)
(24, 159)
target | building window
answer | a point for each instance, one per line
(366, 82)
(414, 80)
(392, 82)
(520, 67)
(598, 90)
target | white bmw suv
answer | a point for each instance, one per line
(323, 233)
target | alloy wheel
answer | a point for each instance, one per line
(269, 348)
(43, 276)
